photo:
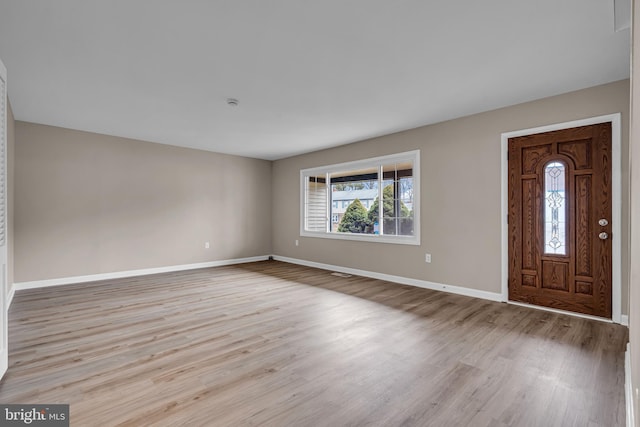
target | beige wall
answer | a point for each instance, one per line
(88, 204)
(634, 161)
(460, 190)
(10, 199)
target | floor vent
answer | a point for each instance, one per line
(336, 273)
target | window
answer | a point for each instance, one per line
(343, 201)
(555, 224)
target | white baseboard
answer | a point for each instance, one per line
(4, 362)
(628, 387)
(492, 296)
(18, 286)
(12, 292)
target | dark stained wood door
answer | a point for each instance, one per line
(560, 219)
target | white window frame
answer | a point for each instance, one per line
(412, 156)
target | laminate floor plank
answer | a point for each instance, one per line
(275, 344)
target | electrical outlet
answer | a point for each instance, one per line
(297, 243)
(206, 245)
(427, 258)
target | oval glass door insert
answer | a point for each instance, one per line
(555, 224)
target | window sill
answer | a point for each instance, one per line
(371, 238)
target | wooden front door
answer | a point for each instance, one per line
(560, 219)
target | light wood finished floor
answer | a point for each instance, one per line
(275, 344)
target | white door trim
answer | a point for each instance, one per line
(616, 196)
(4, 286)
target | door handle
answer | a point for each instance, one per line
(603, 236)
(603, 222)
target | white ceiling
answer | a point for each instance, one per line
(308, 75)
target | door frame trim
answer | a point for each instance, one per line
(4, 264)
(616, 202)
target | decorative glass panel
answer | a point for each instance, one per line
(555, 209)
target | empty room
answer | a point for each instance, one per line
(319, 214)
